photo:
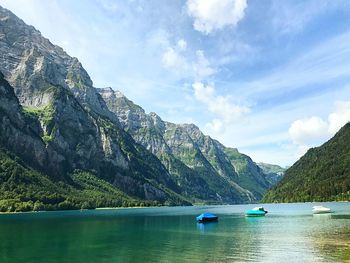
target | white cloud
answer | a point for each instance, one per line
(211, 15)
(309, 132)
(215, 125)
(182, 44)
(202, 93)
(173, 60)
(339, 117)
(198, 69)
(222, 106)
(201, 67)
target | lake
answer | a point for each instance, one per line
(288, 233)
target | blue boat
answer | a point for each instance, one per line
(256, 211)
(207, 217)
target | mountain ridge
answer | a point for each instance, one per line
(164, 137)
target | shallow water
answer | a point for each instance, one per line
(288, 233)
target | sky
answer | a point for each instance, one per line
(271, 78)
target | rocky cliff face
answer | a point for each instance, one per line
(57, 93)
(173, 147)
(20, 134)
(34, 176)
(33, 65)
(223, 169)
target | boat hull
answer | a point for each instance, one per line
(207, 220)
(255, 213)
(207, 217)
(322, 212)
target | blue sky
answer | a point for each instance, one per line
(271, 78)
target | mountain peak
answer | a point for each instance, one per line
(119, 94)
(190, 126)
(154, 116)
(109, 92)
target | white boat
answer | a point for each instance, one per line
(319, 209)
(259, 208)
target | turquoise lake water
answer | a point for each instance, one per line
(288, 233)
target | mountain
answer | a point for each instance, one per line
(65, 144)
(185, 150)
(322, 174)
(274, 173)
(68, 125)
(23, 187)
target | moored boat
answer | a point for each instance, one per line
(256, 211)
(207, 217)
(319, 209)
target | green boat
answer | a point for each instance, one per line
(256, 211)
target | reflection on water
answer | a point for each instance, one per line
(255, 219)
(322, 216)
(206, 226)
(289, 233)
(334, 239)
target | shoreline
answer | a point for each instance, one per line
(145, 207)
(98, 208)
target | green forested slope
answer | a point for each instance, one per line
(25, 189)
(322, 174)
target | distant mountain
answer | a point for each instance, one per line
(65, 144)
(322, 174)
(274, 173)
(189, 155)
